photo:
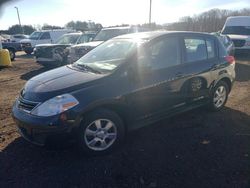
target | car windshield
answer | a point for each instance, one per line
(68, 39)
(85, 38)
(109, 55)
(35, 35)
(236, 30)
(104, 35)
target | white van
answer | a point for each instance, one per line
(238, 29)
(42, 37)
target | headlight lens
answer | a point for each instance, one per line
(55, 105)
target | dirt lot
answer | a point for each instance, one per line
(195, 149)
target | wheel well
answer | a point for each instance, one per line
(119, 109)
(228, 82)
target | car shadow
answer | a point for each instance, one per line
(194, 149)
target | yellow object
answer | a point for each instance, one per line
(5, 58)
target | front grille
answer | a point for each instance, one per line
(44, 52)
(239, 43)
(26, 44)
(26, 105)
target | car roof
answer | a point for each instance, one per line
(112, 28)
(154, 34)
(79, 33)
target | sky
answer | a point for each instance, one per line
(107, 12)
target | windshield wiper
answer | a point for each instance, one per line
(88, 68)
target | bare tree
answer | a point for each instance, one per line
(210, 21)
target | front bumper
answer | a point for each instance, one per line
(26, 47)
(47, 61)
(40, 130)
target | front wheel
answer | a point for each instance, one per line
(100, 132)
(28, 52)
(12, 54)
(219, 96)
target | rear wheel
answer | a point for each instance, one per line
(28, 51)
(12, 54)
(219, 96)
(100, 132)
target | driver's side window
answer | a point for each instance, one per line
(161, 54)
(45, 36)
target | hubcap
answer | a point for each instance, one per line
(219, 96)
(100, 134)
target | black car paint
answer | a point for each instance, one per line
(139, 98)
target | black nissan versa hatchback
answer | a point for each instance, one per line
(123, 84)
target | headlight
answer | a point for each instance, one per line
(55, 105)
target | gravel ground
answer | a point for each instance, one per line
(194, 149)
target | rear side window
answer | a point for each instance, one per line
(198, 49)
(45, 35)
(195, 49)
(210, 48)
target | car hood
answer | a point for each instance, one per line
(244, 37)
(25, 41)
(92, 44)
(58, 81)
(52, 45)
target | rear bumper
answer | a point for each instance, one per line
(47, 62)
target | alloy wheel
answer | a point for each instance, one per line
(220, 96)
(100, 134)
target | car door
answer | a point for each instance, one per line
(200, 58)
(45, 38)
(160, 76)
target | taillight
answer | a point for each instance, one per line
(230, 59)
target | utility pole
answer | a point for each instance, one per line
(150, 7)
(19, 19)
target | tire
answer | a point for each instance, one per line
(219, 96)
(12, 54)
(100, 133)
(28, 52)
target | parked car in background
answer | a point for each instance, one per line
(227, 42)
(123, 84)
(238, 29)
(77, 51)
(13, 47)
(4, 37)
(18, 37)
(42, 37)
(56, 54)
